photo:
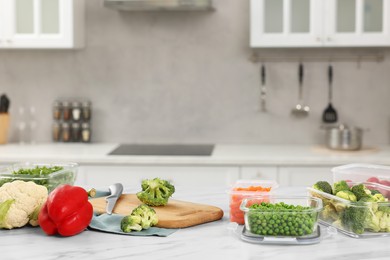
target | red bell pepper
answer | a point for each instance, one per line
(67, 211)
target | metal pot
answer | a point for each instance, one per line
(342, 137)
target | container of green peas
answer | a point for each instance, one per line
(281, 216)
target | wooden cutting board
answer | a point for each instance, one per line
(176, 214)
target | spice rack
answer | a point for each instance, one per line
(72, 121)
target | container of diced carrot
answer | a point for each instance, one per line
(247, 189)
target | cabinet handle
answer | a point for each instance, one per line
(318, 39)
(329, 39)
(9, 41)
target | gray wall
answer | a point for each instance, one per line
(186, 77)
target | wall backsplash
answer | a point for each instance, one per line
(186, 77)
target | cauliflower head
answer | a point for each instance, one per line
(20, 203)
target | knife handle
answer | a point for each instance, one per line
(4, 125)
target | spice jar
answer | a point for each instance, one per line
(56, 131)
(76, 111)
(75, 132)
(86, 110)
(85, 132)
(66, 110)
(65, 132)
(57, 107)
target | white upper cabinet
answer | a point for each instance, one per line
(286, 23)
(320, 23)
(42, 24)
(357, 23)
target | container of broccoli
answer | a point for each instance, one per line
(281, 216)
(48, 175)
(358, 210)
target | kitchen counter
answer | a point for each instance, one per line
(223, 155)
(206, 241)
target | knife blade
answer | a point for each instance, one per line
(116, 191)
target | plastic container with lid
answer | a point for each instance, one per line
(247, 189)
(344, 215)
(299, 218)
(377, 176)
(60, 173)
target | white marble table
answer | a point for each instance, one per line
(207, 241)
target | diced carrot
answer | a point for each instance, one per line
(253, 188)
(236, 215)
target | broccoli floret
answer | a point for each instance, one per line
(367, 199)
(384, 220)
(147, 215)
(155, 192)
(379, 197)
(340, 186)
(347, 195)
(366, 215)
(338, 205)
(354, 218)
(372, 222)
(323, 186)
(385, 209)
(142, 217)
(329, 213)
(373, 192)
(360, 191)
(370, 203)
(131, 223)
(383, 214)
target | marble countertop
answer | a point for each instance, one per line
(207, 241)
(223, 155)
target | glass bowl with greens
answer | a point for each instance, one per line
(49, 175)
(281, 216)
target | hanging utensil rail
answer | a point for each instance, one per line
(282, 57)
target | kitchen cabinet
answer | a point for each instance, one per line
(289, 176)
(130, 176)
(41, 24)
(304, 176)
(320, 23)
(259, 173)
(102, 176)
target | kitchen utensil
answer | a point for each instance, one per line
(176, 214)
(263, 90)
(4, 126)
(342, 137)
(300, 109)
(4, 119)
(330, 114)
(4, 104)
(116, 191)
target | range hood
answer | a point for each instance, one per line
(160, 5)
